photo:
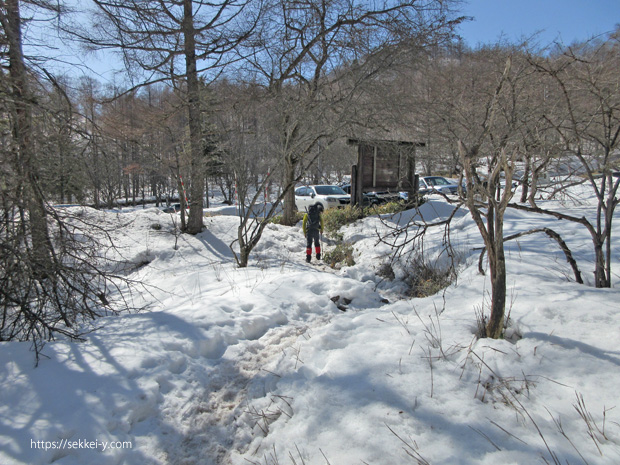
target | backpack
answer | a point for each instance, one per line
(314, 218)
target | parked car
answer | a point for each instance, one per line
(174, 208)
(437, 184)
(518, 177)
(328, 196)
(386, 196)
(516, 180)
(368, 198)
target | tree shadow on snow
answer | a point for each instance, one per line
(571, 344)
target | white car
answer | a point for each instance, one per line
(328, 196)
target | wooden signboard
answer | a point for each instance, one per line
(383, 166)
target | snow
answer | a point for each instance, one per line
(259, 365)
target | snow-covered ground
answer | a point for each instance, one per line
(259, 366)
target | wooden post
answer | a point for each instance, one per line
(359, 183)
(374, 166)
(353, 185)
(413, 178)
(416, 188)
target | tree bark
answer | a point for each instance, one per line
(289, 217)
(600, 275)
(497, 266)
(525, 181)
(42, 251)
(195, 223)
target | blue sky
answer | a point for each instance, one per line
(564, 20)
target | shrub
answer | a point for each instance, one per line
(335, 218)
(386, 271)
(386, 208)
(277, 219)
(342, 254)
(426, 278)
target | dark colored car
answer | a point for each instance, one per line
(368, 198)
(174, 208)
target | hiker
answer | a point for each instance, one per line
(312, 226)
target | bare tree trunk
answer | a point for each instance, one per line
(534, 185)
(24, 157)
(525, 180)
(194, 223)
(490, 223)
(289, 197)
(244, 254)
(497, 268)
(180, 190)
(600, 275)
(612, 201)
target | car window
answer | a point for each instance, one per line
(438, 181)
(329, 190)
(302, 191)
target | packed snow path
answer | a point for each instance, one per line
(169, 384)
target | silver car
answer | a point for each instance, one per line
(438, 184)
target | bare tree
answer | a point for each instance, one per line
(176, 42)
(314, 59)
(586, 81)
(490, 142)
(23, 151)
(488, 103)
(430, 84)
(305, 58)
(249, 164)
(87, 104)
(51, 277)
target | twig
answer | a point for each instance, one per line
(409, 449)
(508, 432)
(485, 437)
